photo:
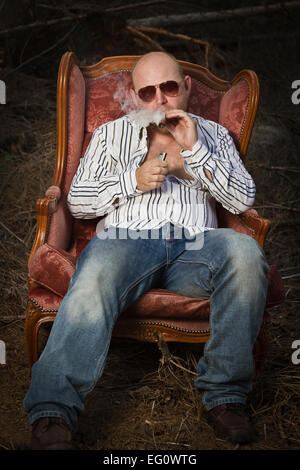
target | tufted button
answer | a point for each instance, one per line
(116, 201)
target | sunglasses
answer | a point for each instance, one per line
(169, 88)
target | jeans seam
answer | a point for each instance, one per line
(210, 267)
(131, 286)
(96, 374)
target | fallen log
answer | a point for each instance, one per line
(210, 16)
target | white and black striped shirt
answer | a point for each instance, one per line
(105, 183)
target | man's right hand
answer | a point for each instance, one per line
(151, 174)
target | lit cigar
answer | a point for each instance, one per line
(173, 121)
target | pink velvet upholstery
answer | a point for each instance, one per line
(204, 101)
(52, 268)
(76, 124)
(60, 228)
(233, 108)
(106, 96)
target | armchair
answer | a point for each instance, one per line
(88, 96)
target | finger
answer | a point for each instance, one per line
(157, 178)
(154, 185)
(175, 117)
(159, 170)
(160, 163)
(179, 113)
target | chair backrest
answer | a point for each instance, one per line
(88, 96)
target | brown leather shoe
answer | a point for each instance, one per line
(232, 423)
(50, 434)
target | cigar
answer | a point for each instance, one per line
(173, 121)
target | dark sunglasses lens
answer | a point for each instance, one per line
(170, 88)
(147, 94)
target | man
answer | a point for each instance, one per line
(121, 178)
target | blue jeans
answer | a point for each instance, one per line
(113, 271)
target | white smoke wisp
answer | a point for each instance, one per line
(145, 117)
(125, 100)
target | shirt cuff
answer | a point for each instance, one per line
(198, 155)
(128, 183)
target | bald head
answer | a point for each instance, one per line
(153, 61)
(153, 69)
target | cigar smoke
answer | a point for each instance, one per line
(145, 117)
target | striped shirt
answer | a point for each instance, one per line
(105, 183)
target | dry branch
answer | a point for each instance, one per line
(205, 17)
(38, 24)
(26, 62)
(278, 168)
(66, 19)
(145, 38)
(12, 233)
(184, 37)
(107, 10)
(163, 20)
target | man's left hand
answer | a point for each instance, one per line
(182, 127)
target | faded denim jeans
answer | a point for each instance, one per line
(113, 271)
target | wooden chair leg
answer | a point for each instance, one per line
(33, 315)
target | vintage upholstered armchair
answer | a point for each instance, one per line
(88, 96)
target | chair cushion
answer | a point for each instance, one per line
(175, 306)
(52, 268)
(157, 305)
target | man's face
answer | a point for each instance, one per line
(157, 69)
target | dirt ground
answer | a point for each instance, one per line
(142, 400)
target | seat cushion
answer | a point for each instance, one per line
(156, 306)
(52, 268)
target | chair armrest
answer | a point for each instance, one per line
(45, 207)
(248, 222)
(256, 224)
(54, 194)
